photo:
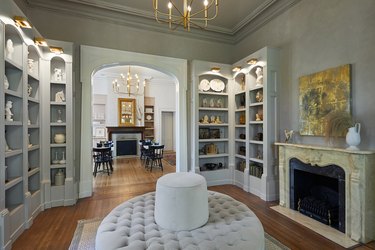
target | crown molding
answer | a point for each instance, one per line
(140, 19)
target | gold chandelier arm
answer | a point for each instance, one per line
(174, 6)
(203, 18)
(202, 10)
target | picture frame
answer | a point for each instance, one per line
(99, 132)
(214, 133)
(126, 111)
(204, 133)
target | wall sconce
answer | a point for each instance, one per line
(236, 68)
(56, 50)
(252, 61)
(22, 22)
(40, 41)
(215, 69)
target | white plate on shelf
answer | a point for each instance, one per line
(217, 85)
(149, 117)
(204, 85)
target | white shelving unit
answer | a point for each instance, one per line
(149, 118)
(260, 175)
(25, 147)
(58, 119)
(212, 147)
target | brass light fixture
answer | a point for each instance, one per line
(215, 69)
(236, 68)
(56, 50)
(40, 41)
(22, 22)
(128, 84)
(182, 13)
(252, 61)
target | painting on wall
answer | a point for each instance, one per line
(319, 94)
(126, 112)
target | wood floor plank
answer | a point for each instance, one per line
(54, 228)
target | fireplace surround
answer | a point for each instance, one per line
(359, 168)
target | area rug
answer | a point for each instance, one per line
(170, 158)
(85, 233)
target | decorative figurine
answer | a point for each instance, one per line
(219, 103)
(205, 119)
(56, 160)
(57, 74)
(259, 73)
(258, 117)
(8, 111)
(62, 161)
(6, 83)
(59, 96)
(29, 89)
(217, 120)
(59, 120)
(204, 102)
(9, 49)
(30, 64)
(212, 103)
(259, 96)
(213, 119)
(29, 144)
(7, 148)
(243, 83)
(288, 135)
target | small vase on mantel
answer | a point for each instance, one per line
(353, 137)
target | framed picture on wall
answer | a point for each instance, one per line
(126, 111)
(99, 132)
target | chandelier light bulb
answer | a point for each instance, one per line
(185, 16)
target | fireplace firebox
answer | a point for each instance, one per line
(318, 192)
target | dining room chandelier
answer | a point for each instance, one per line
(128, 84)
(183, 12)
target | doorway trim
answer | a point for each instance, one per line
(175, 137)
(94, 59)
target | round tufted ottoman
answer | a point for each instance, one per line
(131, 225)
(181, 201)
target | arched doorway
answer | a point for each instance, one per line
(149, 89)
(94, 59)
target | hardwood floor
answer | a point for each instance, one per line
(54, 228)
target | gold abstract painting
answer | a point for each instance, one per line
(321, 93)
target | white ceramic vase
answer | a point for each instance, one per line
(353, 137)
(59, 138)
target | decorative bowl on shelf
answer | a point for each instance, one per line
(59, 138)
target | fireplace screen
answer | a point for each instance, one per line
(318, 192)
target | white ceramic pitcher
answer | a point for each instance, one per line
(353, 137)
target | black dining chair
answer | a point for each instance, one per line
(154, 159)
(144, 150)
(102, 158)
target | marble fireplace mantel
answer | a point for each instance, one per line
(359, 167)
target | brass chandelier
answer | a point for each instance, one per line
(183, 14)
(128, 84)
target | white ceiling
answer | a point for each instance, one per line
(236, 18)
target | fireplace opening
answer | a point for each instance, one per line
(318, 192)
(126, 147)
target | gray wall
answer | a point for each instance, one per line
(316, 35)
(313, 36)
(95, 32)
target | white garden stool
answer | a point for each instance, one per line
(181, 201)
